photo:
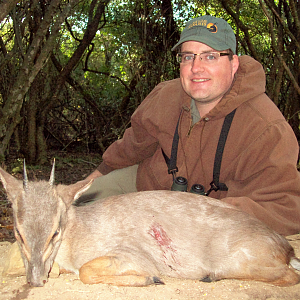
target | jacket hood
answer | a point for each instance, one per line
(249, 82)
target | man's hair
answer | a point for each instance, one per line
(230, 56)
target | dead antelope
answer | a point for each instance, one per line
(131, 239)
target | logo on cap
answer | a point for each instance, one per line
(212, 27)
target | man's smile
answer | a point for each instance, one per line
(200, 80)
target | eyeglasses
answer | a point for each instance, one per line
(206, 57)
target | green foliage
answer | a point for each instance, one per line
(131, 53)
(17, 166)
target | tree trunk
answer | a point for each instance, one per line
(33, 62)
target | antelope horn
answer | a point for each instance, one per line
(25, 180)
(51, 181)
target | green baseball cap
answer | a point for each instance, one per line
(209, 30)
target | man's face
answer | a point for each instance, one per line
(206, 83)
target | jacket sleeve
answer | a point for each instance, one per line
(138, 142)
(267, 183)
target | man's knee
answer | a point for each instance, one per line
(121, 181)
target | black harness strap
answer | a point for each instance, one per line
(171, 162)
(215, 185)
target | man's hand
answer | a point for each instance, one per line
(94, 175)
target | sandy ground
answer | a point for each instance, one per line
(68, 286)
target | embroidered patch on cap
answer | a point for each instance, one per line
(214, 32)
(212, 27)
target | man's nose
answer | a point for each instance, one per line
(197, 64)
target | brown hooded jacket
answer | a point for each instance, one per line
(260, 155)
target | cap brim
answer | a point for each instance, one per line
(205, 40)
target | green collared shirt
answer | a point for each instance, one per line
(194, 112)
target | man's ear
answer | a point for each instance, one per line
(235, 64)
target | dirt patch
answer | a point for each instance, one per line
(68, 286)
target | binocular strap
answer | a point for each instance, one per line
(171, 162)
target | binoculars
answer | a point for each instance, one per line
(180, 184)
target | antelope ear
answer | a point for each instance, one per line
(12, 186)
(69, 193)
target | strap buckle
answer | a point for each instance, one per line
(213, 187)
(173, 172)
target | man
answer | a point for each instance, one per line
(258, 166)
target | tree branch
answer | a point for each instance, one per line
(109, 75)
(241, 25)
(286, 29)
(89, 34)
(278, 54)
(5, 8)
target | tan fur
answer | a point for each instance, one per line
(132, 239)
